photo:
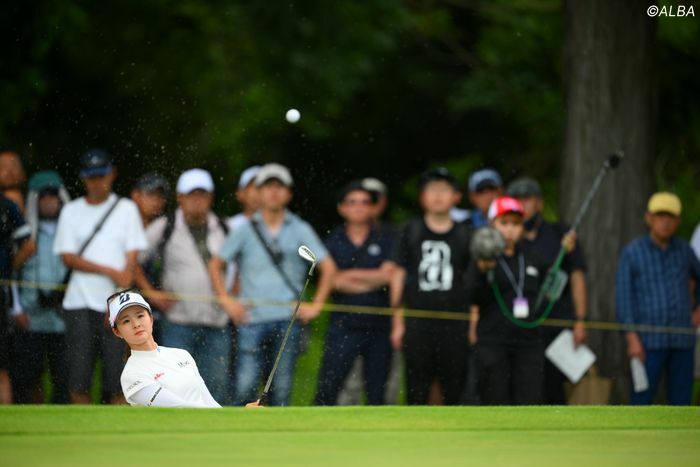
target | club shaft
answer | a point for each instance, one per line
(286, 335)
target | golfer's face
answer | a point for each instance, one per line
(510, 225)
(135, 325)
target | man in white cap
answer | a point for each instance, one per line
(265, 250)
(182, 243)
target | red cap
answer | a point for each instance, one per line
(504, 205)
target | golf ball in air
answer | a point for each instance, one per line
(293, 115)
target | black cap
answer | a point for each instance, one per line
(151, 182)
(524, 187)
(440, 173)
(356, 186)
(95, 163)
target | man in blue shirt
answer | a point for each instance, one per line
(271, 277)
(653, 280)
(362, 252)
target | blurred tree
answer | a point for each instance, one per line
(612, 90)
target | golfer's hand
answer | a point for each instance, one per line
(579, 331)
(634, 346)
(309, 311)
(235, 309)
(398, 329)
(486, 264)
(255, 404)
(22, 321)
(569, 241)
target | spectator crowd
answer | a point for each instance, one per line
(224, 288)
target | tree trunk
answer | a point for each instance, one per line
(611, 87)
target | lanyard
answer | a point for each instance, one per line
(518, 288)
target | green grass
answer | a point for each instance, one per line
(386, 436)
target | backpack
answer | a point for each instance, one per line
(155, 265)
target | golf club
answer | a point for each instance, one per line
(555, 281)
(306, 253)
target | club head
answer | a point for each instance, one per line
(614, 159)
(306, 253)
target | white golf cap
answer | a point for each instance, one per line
(123, 301)
(194, 179)
(276, 172)
(374, 184)
(248, 176)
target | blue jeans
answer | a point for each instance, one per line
(211, 349)
(678, 364)
(342, 346)
(258, 345)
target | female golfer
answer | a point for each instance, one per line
(154, 375)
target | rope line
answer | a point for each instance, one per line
(372, 310)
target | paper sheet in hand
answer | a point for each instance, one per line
(573, 362)
(639, 375)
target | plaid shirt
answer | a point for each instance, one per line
(653, 289)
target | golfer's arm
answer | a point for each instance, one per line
(579, 294)
(216, 267)
(325, 282)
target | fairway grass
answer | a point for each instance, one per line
(383, 436)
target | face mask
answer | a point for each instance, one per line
(532, 222)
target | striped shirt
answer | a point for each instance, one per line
(653, 288)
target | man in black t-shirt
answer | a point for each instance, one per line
(545, 240)
(431, 256)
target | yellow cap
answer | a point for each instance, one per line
(664, 201)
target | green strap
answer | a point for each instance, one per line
(519, 322)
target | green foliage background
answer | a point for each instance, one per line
(385, 88)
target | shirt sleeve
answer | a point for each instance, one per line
(155, 395)
(65, 240)
(20, 229)
(233, 244)
(624, 295)
(136, 238)
(400, 254)
(133, 381)
(695, 273)
(475, 285)
(695, 241)
(154, 233)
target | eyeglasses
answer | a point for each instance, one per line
(354, 202)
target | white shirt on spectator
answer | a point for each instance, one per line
(165, 377)
(121, 233)
(695, 241)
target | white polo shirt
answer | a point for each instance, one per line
(122, 232)
(168, 377)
